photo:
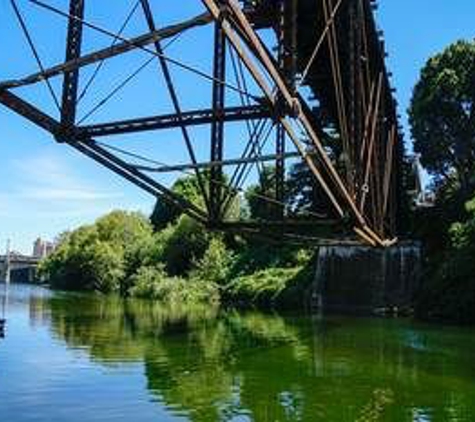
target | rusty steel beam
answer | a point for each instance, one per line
(29, 112)
(217, 125)
(343, 190)
(73, 52)
(171, 121)
(210, 164)
(128, 171)
(375, 119)
(125, 46)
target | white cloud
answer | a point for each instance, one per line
(49, 179)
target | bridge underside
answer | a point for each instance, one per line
(288, 82)
(18, 268)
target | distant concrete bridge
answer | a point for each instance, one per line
(15, 263)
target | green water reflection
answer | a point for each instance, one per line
(210, 365)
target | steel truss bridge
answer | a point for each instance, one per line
(277, 81)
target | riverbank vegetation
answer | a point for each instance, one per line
(172, 258)
(448, 289)
(121, 253)
(442, 116)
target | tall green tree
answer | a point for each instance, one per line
(305, 198)
(165, 213)
(442, 115)
(188, 188)
(260, 197)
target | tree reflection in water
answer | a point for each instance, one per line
(212, 365)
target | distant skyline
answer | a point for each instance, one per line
(47, 188)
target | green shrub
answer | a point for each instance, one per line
(449, 290)
(147, 251)
(154, 283)
(272, 287)
(183, 244)
(254, 257)
(105, 267)
(215, 265)
(269, 283)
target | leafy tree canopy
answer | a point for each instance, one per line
(92, 257)
(188, 188)
(165, 213)
(260, 197)
(442, 114)
(305, 197)
(449, 293)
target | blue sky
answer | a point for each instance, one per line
(47, 188)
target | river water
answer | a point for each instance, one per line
(77, 357)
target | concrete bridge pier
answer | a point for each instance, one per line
(366, 280)
(18, 268)
(5, 272)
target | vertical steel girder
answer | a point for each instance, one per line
(287, 58)
(217, 126)
(355, 90)
(73, 52)
(375, 159)
(280, 132)
(280, 169)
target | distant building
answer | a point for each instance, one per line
(42, 248)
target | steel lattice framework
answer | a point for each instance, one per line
(309, 75)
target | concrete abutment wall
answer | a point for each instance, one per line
(367, 280)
